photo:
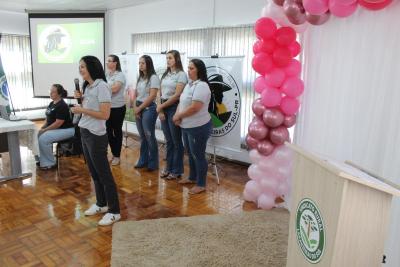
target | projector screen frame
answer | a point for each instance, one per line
(63, 15)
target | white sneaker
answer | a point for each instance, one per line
(109, 219)
(94, 209)
(115, 161)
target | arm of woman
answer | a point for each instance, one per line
(55, 125)
(187, 112)
(152, 96)
(102, 114)
(116, 87)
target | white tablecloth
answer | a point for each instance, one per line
(26, 130)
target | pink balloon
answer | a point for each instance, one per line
(275, 78)
(279, 135)
(348, 2)
(271, 97)
(289, 120)
(257, 47)
(255, 157)
(254, 172)
(268, 164)
(318, 19)
(257, 107)
(262, 63)
(294, 11)
(265, 28)
(282, 156)
(266, 202)
(258, 130)
(268, 45)
(283, 189)
(285, 36)
(293, 87)
(340, 10)
(273, 117)
(265, 147)
(268, 185)
(294, 68)
(260, 84)
(374, 6)
(279, 2)
(281, 57)
(295, 49)
(253, 189)
(289, 105)
(249, 197)
(316, 7)
(251, 142)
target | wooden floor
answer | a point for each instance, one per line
(41, 217)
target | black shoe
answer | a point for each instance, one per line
(151, 169)
(38, 163)
(48, 167)
(137, 166)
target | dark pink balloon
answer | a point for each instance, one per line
(318, 19)
(262, 63)
(273, 117)
(279, 2)
(258, 130)
(374, 5)
(289, 121)
(251, 142)
(257, 107)
(294, 68)
(285, 36)
(257, 47)
(265, 28)
(281, 57)
(268, 45)
(265, 147)
(279, 135)
(295, 49)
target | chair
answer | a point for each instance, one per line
(71, 146)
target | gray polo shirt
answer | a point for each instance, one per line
(118, 98)
(169, 82)
(143, 87)
(195, 91)
(95, 94)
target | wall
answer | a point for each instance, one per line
(177, 15)
(14, 23)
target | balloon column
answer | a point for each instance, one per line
(279, 86)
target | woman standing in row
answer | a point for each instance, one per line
(173, 81)
(146, 115)
(116, 81)
(95, 111)
(193, 117)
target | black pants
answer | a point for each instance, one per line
(95, 151)
(114, 129)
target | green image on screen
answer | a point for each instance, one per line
(67, 43)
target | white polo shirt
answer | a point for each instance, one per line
(143, 87)
(170, 81)
(195, 91)
(118, 98)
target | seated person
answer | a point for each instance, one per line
(58, 127)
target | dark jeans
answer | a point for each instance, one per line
(173, 138)
(146, 125)
(195, 140)
(95, 151)
(114, 130)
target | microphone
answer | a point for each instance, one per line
(76, 81)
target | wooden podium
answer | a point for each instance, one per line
(339, 214)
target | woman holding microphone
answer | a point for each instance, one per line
(95, 111)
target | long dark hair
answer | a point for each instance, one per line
(60, 90)
(201, 69)
(149, 69)
(178, 62)
(95, 69)
(116, 59)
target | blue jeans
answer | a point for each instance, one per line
(146, 125)
(46, 141)
(195, 140)
(173, 138)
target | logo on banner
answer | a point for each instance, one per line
(310, 230)
(225, 101)
(55, 43)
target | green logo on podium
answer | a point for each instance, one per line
(310, 230)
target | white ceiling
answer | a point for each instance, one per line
(22, 5)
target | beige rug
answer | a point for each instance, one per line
(257, 238)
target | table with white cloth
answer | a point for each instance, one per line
(18, 132)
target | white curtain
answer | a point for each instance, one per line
(350, 108)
